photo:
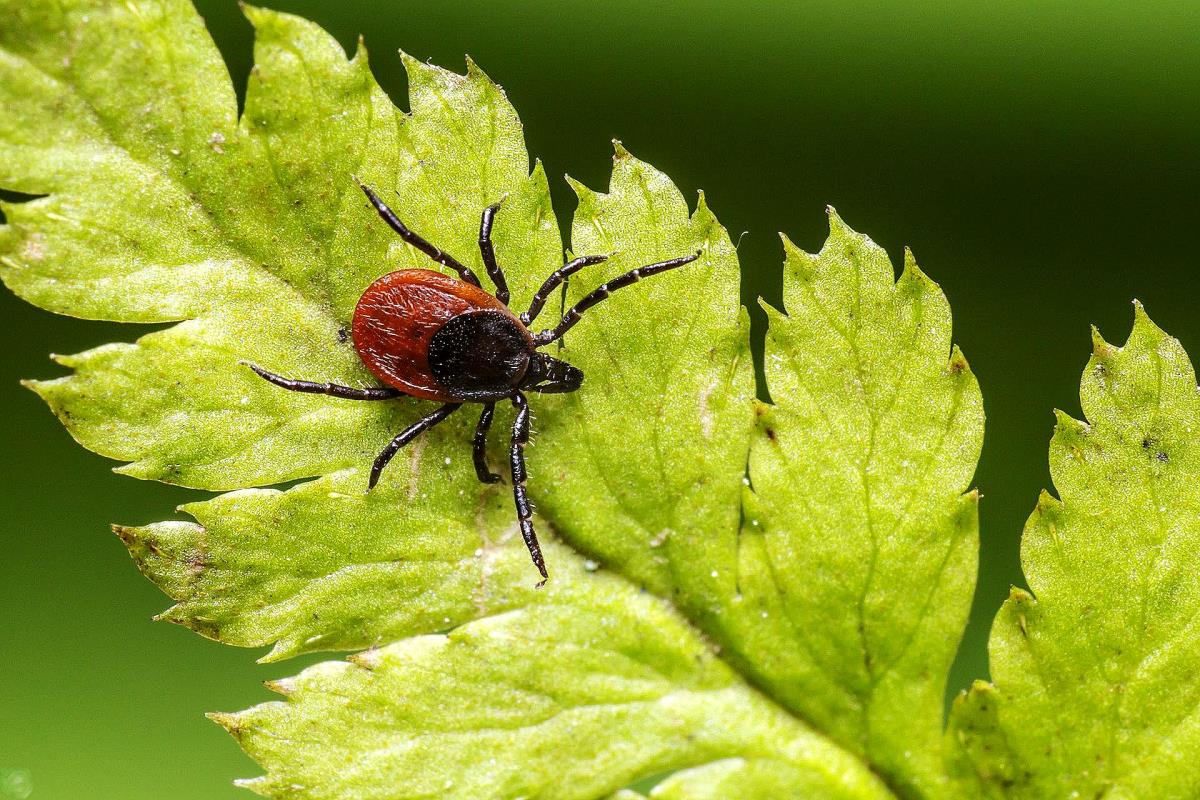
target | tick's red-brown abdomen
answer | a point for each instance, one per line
(396, 318)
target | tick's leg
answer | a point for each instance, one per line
(554, 281)
(331, 389)
(438, 255)
(479, 445)
(516, 462)
(489, 253)
(407, 435)
(596, 295)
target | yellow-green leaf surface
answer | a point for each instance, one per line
(1097, 676)
(860, 547)
(757, 601)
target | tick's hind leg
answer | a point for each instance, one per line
(407, 435)
(331, 389)
(489, 253)
(520, 437)
(479, 445)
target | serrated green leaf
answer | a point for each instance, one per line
(859, 551)
(757, 643)
(1095, 672)
(589, 689)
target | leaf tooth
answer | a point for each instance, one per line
(1020, 597)
(1048, 504)
(262, 785)
(368, 659)
(540, 187)
(361, 58)
(1146, 333)
(232, 722)
(174, 615)
(974, 696)
(837, 226)
(426, 80)
(284, 648)
(912, 274)
(476, 73)
(1068, 426)
(619, 150)
(957, 363)
(284, 686)
(1101, 349)
(127, 534)
(410, 62)
(1070, 435)
(582, 192)
(803, 263)
(255, 14)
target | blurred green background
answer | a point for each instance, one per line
(1040, 158)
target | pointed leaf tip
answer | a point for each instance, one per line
(837, 225)
(1019, 596)
(1100, 348)
(126, 534)
(368, 659)
(1068, 429)
(1142, 323)
(230, 721)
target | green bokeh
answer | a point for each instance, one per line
(1039, 158)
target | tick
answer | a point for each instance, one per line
(433, 337)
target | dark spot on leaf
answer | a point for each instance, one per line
(1161, 456)
(1149, 442)
(770, 434)
(343, 335)
(197, 560)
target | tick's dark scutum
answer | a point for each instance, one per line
(479, 351)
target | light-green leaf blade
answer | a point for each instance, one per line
(324, 566)
(859, 550)
(592, 688)
(1096, 686)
